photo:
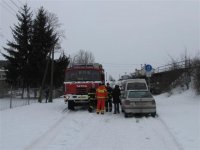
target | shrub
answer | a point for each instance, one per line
(196, 74)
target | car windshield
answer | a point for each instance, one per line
(136, 86)
(139, 94)
(82, 75)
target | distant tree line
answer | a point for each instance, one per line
(29, 52)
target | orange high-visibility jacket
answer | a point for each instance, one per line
(101, 92)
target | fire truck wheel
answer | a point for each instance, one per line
(90, 109)
(71, 105)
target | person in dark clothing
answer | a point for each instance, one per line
(109, 100)
(47, 94)
(116, 98)
(92, 98)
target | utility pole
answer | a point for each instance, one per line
(106, 76)
(11, 95)
(51, 84)
(44, 79)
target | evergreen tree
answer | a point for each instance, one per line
(59, 71)
(43, 41)
(19, 49)
(29, 54)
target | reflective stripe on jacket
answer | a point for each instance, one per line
(101, 92)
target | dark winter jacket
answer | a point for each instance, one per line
(109, 89)
(116, 94)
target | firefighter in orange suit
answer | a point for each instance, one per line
(101, 95)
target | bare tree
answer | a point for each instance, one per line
(83, 57)
(53, 22)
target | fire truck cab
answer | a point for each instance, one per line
(79, 78)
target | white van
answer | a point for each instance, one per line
(134, 85)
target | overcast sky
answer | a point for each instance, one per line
(121, 34)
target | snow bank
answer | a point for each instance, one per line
(181, 113)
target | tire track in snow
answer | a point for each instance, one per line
(43, 141)
(65, 110)
(160, 127)
(77, 128)
(97, 134)
(171, 134)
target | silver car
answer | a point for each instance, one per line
(138, 102)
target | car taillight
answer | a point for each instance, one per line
(127, 102)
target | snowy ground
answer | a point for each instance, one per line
(52, 127)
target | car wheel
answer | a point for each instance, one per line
(90, 109)
(71, 105)
(153, 114)
(125, 115)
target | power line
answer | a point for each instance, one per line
(9, 6)
(7, 9)
(121, 64)
(20, 2)
(14, 4)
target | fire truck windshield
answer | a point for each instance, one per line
(82, 75)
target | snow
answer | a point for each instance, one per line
(50, 126)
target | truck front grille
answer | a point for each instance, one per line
(81, 90)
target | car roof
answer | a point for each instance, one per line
(136, 80)
(138, 91)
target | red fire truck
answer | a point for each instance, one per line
(78, 81)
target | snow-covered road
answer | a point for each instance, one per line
(91, 131)
(52, 127)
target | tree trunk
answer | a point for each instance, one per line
(43, 81)
(28, 94)
(22, 95)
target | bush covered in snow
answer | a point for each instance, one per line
(190, 78)
(196, 74)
